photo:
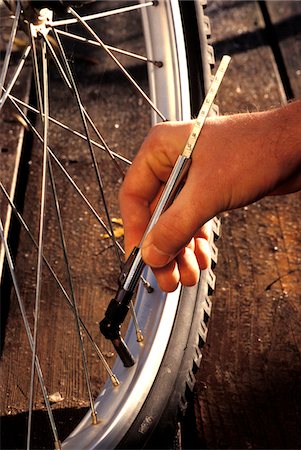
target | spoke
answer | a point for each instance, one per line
(14, 77)
(10, 47)
(92, 153)
(113, 49)
(57, 62)
(41, 237)
(125, 72)
(61, 287)
(36, 70)
(37, 304)
(66, 127)
(139, 334)
(30, 337)
(103, 14)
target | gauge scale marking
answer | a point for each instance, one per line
(206, 106)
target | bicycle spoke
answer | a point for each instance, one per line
(110, 47)
(30, 338)
(132, 309)
(103, 14)
(121, 67)
(14, 77)
(41, 237)
(139, 334)
(16, 101)
(36, 70)
(57, 62)
(101, 357)
(10, 47)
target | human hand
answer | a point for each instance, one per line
(237, 160)
(137, 207)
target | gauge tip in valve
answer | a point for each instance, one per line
(111, 331)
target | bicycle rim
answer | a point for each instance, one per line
(117, 407)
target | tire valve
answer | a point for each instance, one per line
(117, 310)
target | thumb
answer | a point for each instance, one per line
(173, 231)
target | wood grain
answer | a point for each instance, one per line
(249, 383)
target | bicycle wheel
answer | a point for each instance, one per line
(174, 326)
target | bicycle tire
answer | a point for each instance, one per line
(155, 409)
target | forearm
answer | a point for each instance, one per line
(249, 156)
(288, 147)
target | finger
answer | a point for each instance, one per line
(188, 267)
(202, 253)
(168, 277)
(135, 214)
(135, 197)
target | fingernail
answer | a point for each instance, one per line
(155, 257)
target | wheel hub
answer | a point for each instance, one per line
(31, 9)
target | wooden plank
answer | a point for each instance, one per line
(12, 140)
(285, 17)
(248, 388)
(11, 128)
(252, 80)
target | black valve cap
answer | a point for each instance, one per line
(111, 331)
(110, 328)
(123, 352)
